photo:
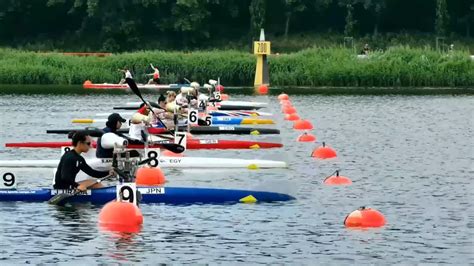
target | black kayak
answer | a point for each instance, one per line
(201, 130)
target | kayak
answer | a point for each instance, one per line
(211, 113)
(169, 195)
(164, 162)
(191, 144)
(90, 85)
(222, 105)
(216, 120)
(198, 130)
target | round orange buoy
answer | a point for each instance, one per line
(323, 152)
(289, 110)
(220, 88)
(302, 125)
(168, 153)
(305, 137)
(292, 117)
(283, 96)
(285, 103)
(224, 97)
(121, 216)
(150, 176)
(365, 217)
(263, 89)
(337, 180)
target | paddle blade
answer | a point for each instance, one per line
(59, 199)
(174, 147)
(133, 86)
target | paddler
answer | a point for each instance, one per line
(72, 162)
(127, 74)
(163, 114)
(139, 121)
(111, 138)
(155, 74)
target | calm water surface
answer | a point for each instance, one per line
(411, 157)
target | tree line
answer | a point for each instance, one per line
(118, 25)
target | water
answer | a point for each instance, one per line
(410, 157)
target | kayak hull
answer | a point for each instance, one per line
(164, 162)
(106, 86)
(167, 195)
(192, 144)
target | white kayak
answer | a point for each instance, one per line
(164, 162)
(227, 103)
(212, 113)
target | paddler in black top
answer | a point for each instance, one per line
(72, 162)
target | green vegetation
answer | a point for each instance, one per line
(397, 66)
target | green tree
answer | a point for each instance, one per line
(257, 16)
(442, 17)
(349, 29)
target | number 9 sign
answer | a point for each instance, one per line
(127, 192)
(8, 181)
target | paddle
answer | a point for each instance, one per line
(133, 86)
(61, 199)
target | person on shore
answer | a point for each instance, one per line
(126, 73)
(155, 74)
(365, 50)
(72, 162)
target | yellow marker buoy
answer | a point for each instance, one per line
(255, 132)
(248, 199)
(83, 121)
(261, 49)
(253, 167)
(255, 146)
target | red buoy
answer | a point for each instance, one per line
(121, 216)
(263, 89)
(147, 176)
(337, 180)
(306, 137)
(224, 97)
(302, 125)
(285, 103)
(365, 217)
(220, 88)
(289, 110)
(323, 152)
(283, 96)
(292, 117)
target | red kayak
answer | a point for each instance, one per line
(193, 144)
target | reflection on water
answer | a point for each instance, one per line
(409, 157)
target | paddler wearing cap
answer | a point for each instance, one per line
(111, 138)
(139, 121)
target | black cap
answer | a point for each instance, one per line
(162, 98)
(116, 117)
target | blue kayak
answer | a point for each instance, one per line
(227, 120)
(169, 195)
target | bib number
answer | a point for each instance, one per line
(193, 117)
(8, 181)
(202, 105)
(217, 95)
(180, 138)
(127, 192)
(208, 120)
(153, 154)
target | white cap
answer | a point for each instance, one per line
(207, 86)
(212, 82)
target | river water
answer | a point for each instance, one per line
(410, 157)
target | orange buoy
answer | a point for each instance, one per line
(286, 104)
(289, 110)
(220, 88)
(121, 216)
(283, 96)
(263, 89)
(168, 153)
(147, 176)
(292, 117)
(305, 137)
(365, 217)
(282, 102)
(324, 152)
(224, 97)
(302, 125)
(337, 180)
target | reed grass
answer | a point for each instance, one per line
(399, 66)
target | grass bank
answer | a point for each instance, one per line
(396, 67)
